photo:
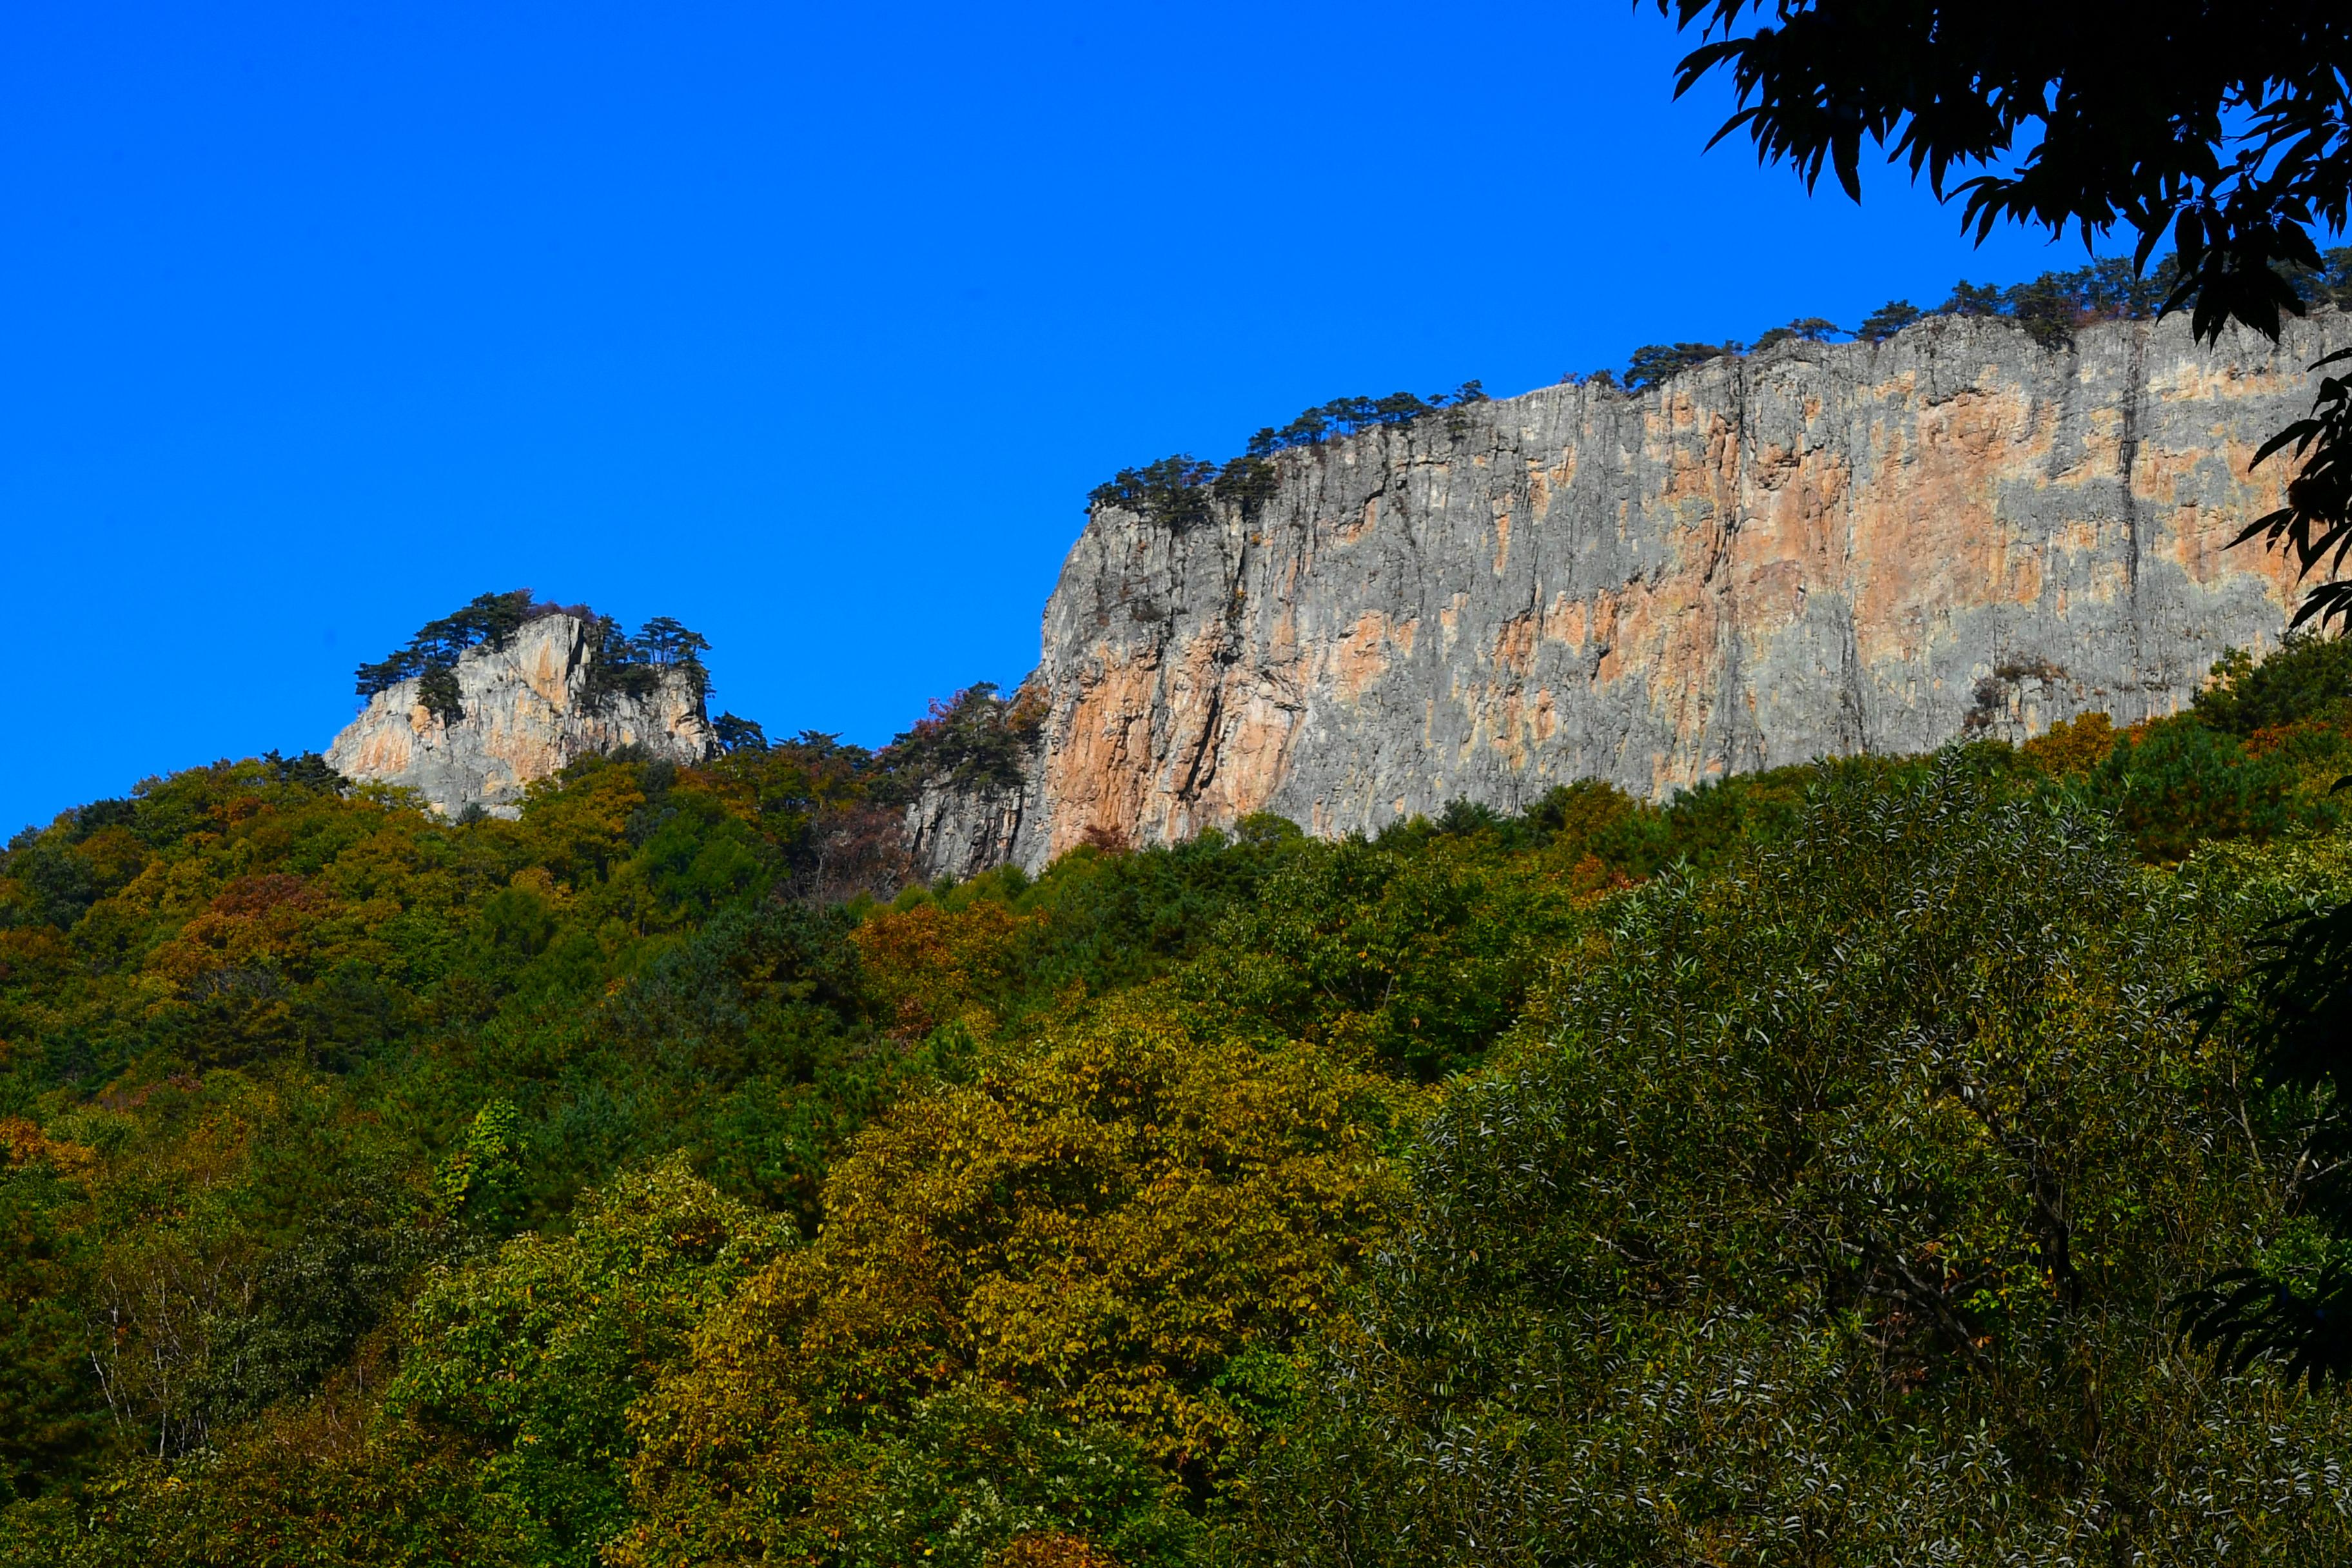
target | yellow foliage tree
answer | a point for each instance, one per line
(2076, 745)
(1099, 1230)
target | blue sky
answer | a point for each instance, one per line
(809, 326)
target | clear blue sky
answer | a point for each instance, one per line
(809, 325)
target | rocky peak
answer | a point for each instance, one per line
(526, 709)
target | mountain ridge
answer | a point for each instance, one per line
(1823, 549)
(1813, 549)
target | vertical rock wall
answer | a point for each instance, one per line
(525, 719)
(1825, 549)
(961, 832)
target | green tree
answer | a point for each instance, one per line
(433, 653)
(2307, 676)
(1654, 363)
(972, 739)
(1804, 330)
(481, 1183)
(735, 734)
(2226, 131)
(1828, 1211)
(1888, 320)
(530, 1361)
(48, 1431)
(1173, 492)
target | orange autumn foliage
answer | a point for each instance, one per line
(924, 966)
(25, 1144)
(1045, 1549)
(2073, 746)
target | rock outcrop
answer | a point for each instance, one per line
(1823, 549)
(961, 832)
(527, 714)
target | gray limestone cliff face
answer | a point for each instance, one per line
(526, 717)
(1821, 550)
(961, 832)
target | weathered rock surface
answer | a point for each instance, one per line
(959, 833)
(1819, 549)
(526, 717)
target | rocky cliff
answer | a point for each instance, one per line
(1823, 549)
(527, 714)
(961, 831)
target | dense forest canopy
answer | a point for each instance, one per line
(1804, 1168)
(2226, 130)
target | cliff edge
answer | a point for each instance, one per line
(528, 712)
(1821, 549)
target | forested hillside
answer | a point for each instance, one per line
(1803, 1171)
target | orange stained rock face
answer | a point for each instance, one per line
(1094, 778)
(544, 670)
(1566, 621)
(382, 750)
(1515, 644)
(1543, 480)
(1765, 560)
(1349, 530)
(1361, 652)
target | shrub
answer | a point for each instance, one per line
(2175, 782)
(2072, 746)
(2309, 676)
